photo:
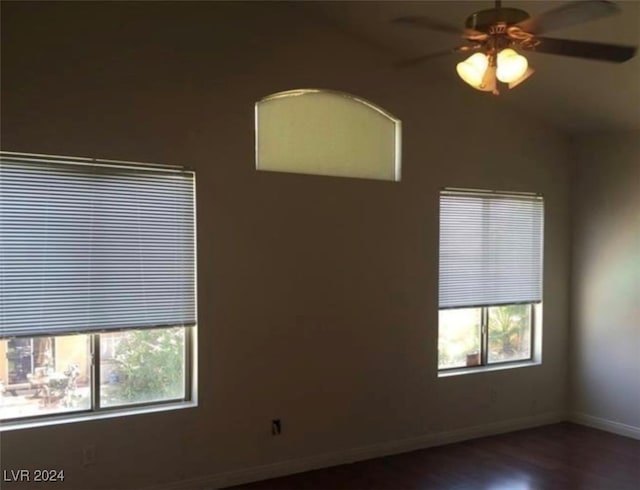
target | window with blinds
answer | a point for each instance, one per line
(490, 275)
(97, 286)
(94, 246)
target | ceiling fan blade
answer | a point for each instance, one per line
(425, 57)
(421, 21)
(568, 15)
(584, 49)
(419, 59)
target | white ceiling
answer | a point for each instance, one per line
(573, 94)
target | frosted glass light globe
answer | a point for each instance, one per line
(472, 69)
(511, 66)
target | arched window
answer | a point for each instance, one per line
(324, 132)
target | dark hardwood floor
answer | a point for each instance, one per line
(555, 457)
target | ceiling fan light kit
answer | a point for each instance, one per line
(510, 68)
(496, 35)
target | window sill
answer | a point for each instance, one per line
(68, 418)
(484, 369)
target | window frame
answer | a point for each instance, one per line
(535, 307)
(96, 362)
(484, 339)
(94, 354)
(95, 410)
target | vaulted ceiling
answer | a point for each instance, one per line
(572, 94)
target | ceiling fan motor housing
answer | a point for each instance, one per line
(487, 20)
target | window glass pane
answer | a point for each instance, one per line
(459, 338)
(509, 333)
(44, 375)
(139, 366)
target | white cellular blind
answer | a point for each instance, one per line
(324, 132)
(88, 246)
(490, 249)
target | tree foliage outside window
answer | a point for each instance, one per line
(509, 332)
(150, 366)
(461, 337)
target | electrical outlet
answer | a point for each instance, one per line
(276, 427)
(88, 455)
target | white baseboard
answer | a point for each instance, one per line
(288, 467)
(605, 424)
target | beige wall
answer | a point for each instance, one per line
(317, 295)
(606, 280)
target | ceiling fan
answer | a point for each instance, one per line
(494, 35)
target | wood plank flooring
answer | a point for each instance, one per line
(554, 457)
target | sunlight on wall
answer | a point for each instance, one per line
(323, 132)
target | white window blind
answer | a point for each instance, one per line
(490, 249)
(89, 245)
